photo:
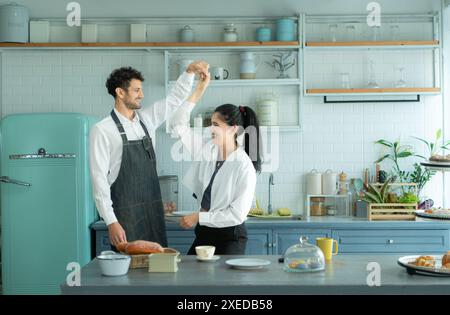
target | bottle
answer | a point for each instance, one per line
(230, 34)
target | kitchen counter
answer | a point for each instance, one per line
(317, 222)
(346, 274)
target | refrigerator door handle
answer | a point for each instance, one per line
(7, 180)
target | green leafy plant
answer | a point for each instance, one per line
(434, 146)
(420, 175)
(376, 194)
(408, 197)
(397, 152)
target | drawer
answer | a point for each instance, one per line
(392, 241)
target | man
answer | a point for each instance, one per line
(122, 159)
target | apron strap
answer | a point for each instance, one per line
(119, 126)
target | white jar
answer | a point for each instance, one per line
(230, 34)
(267, 110)
(329, 183)
(314, 183)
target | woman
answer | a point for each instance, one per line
(223, 175)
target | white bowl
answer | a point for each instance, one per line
(114, 264)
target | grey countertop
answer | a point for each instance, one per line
(346, 274)
(321, 222)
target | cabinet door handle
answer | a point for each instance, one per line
(274, 245)
(391, 241)
(269, 244)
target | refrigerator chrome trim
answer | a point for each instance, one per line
(42, 156)
(7, 180)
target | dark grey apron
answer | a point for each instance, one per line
(230, 240)
(136, 195)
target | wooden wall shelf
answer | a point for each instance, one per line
(373, 43)
(152, 44)
(375, 91)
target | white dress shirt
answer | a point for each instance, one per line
(234, 186)
(105, 142)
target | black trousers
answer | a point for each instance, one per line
(228, 241)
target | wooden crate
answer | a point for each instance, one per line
(391, 211)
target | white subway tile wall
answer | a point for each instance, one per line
(335, 136)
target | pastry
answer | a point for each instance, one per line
(446, 259)
(446, 266)
(440, 158)
(424, 261)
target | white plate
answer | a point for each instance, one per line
(247, 263)
(212, 259)
(422, 214)
(437, 166)
(437, 270)
(180, 213)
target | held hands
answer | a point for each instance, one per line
(199, 67)
(200, 88)
(189, 221)
(116, 234)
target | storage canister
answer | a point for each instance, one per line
(263, 34)
(329, 183)
(285, 29)
(230, 34)
(14, 20)
(267, 110)
(187, 34)
(314, 183)
(317, 206)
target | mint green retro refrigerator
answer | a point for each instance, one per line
(46, 199)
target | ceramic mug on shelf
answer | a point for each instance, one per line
(219, 73)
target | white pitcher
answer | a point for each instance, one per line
(248, 65)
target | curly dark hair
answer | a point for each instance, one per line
(121, 78)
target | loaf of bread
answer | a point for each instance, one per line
(140, 248)
(446, 259)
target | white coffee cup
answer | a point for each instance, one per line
(205, 252)
(219, 73)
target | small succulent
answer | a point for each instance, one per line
(375, 194)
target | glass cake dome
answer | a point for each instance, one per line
(304, 257)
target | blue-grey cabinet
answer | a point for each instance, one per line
(353, 237)
(392, 241)
(285, 238)
(259, 242)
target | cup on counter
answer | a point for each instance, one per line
(205, 252)
(326, 245)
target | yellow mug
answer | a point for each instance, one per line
(326, 245)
